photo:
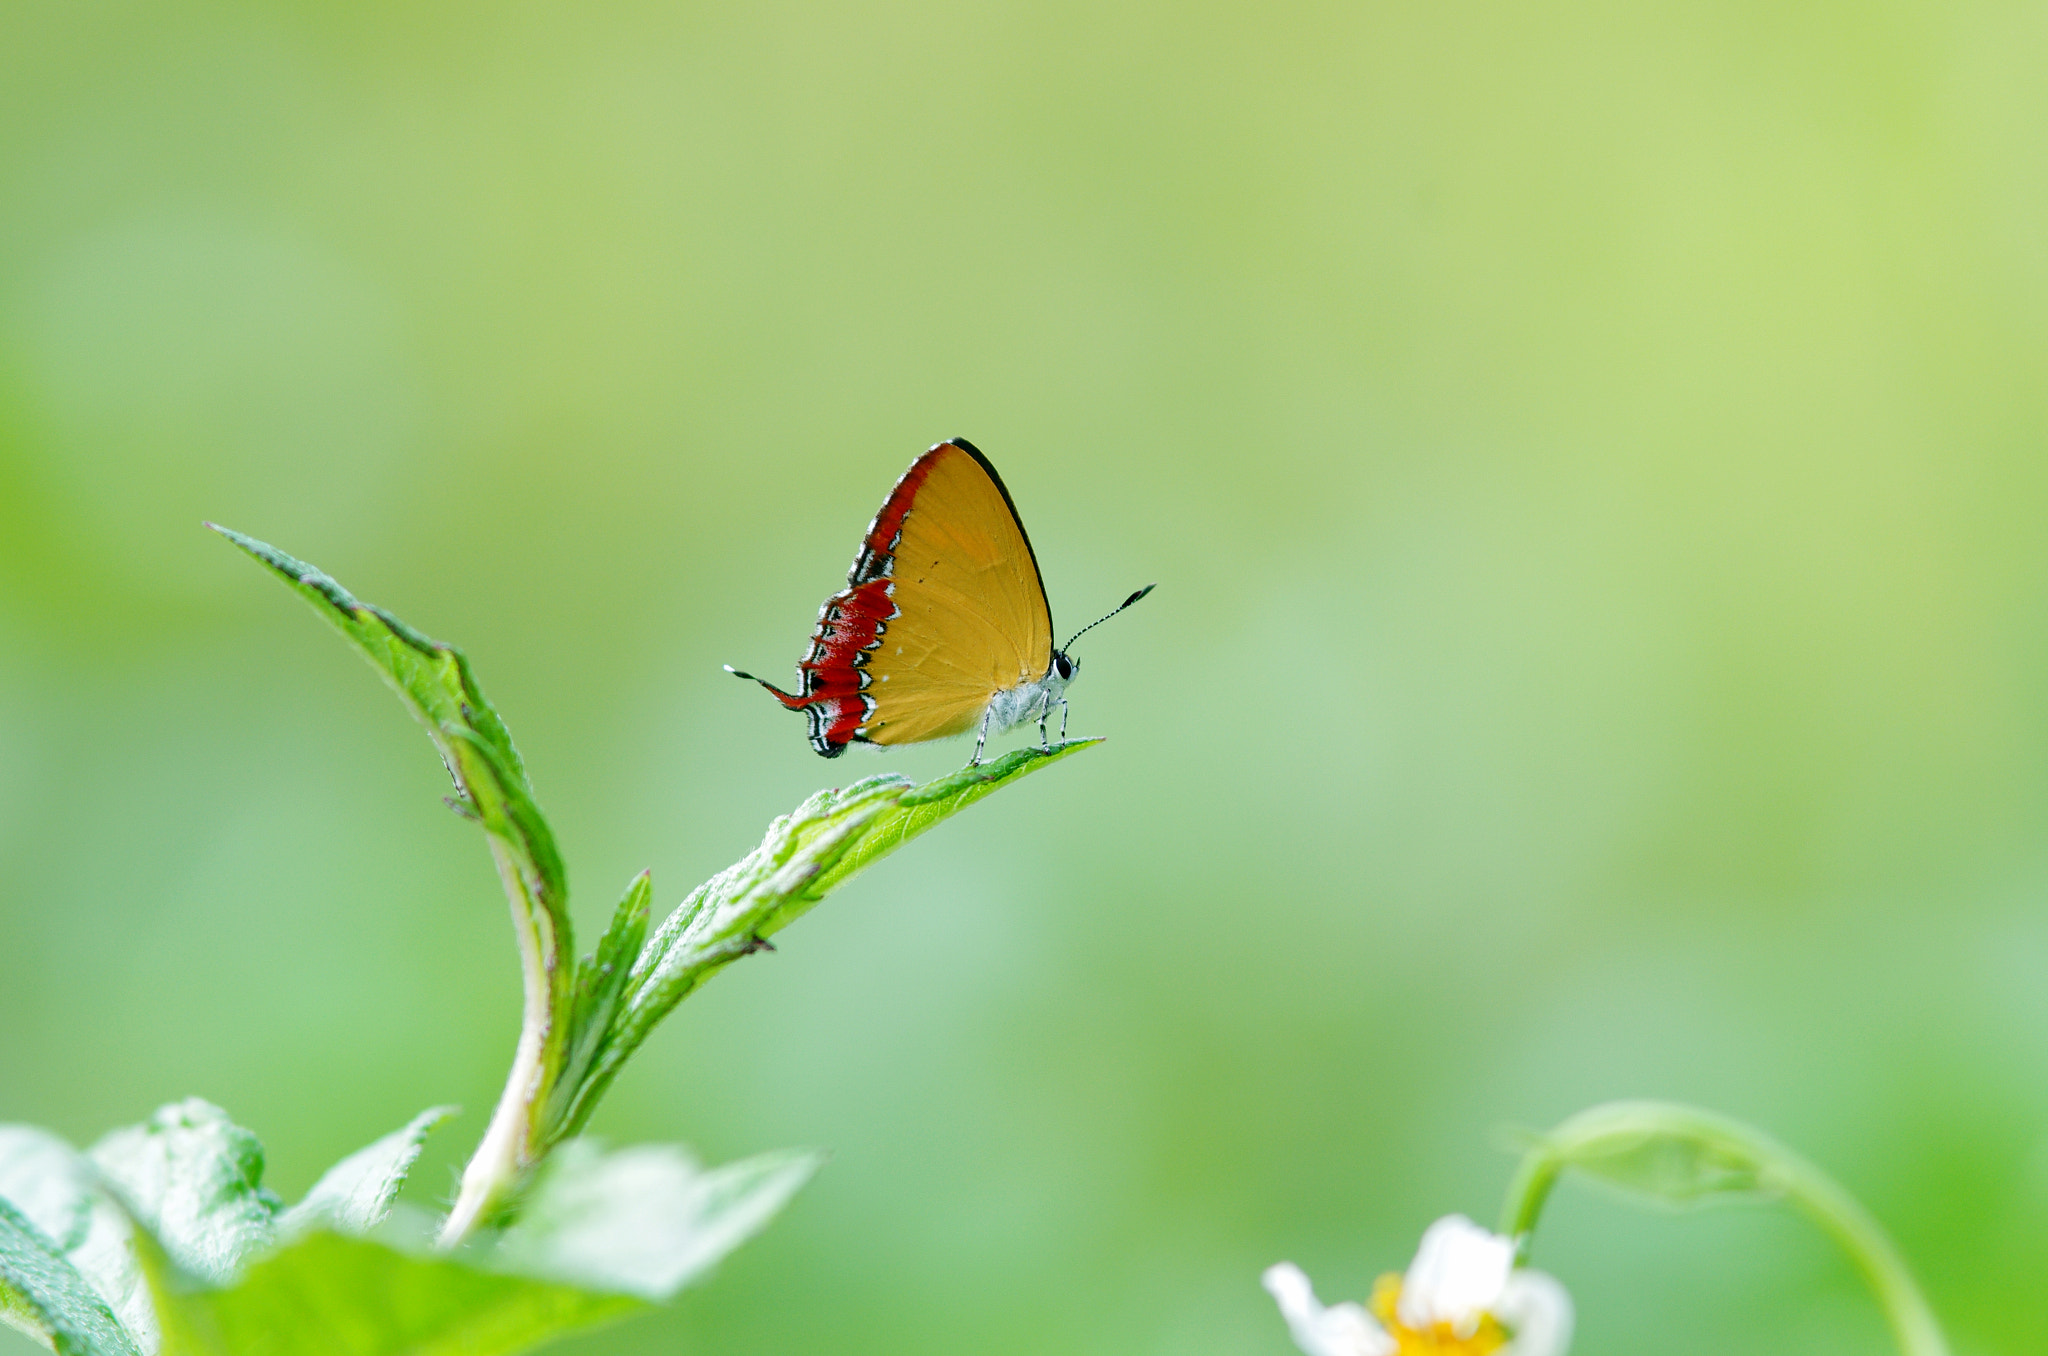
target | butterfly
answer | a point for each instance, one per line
(942, 627)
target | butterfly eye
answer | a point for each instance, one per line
(1066, 668)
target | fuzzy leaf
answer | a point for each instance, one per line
(354, 1195)
(726, 918)
(327, 1295)
(194, 1179)
(58, 1190)
(926, 806)
(806, 854)
(43, 1295)
(600, 1236)
(50, 1183)
(645, 1220)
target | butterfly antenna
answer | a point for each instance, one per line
(1100, 620)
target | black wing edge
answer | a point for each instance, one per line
(982, 461)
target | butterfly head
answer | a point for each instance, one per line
(1064, 666)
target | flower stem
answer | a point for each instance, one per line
(1681, 1155)
(1859, 1235)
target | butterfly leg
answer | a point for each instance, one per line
(1063, 720)
(980, 739)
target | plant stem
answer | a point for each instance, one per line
(1824, 1202)
(1528, 1192)
(1682, 1155)
(804, 856)
(506, 1151)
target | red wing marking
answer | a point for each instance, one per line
(832, 676)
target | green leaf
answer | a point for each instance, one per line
(645, 1220)
(806, 854)
(195, 1180)
(1675, 1171)
(48, 1181)
(925, 806)
(354, 1195)
(1674, 1155)
(43, 1295)
(432, 678)
(327, 1295)
(600, 1236)
(436, 684)
(58, 1190)
(601, 979)
(726, 918)
(601, 976)
(17, 1313)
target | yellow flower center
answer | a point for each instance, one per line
(1438, 1339)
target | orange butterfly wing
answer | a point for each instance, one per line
(942, 610)
(971, 616)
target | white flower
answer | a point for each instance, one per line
(1342, 1330)
(1462, 1296)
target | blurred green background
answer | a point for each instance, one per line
(1591, 456)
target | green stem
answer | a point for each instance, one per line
(1858, 1234)
(507, 1149)
(1680, 1155)
(1528, 1191)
